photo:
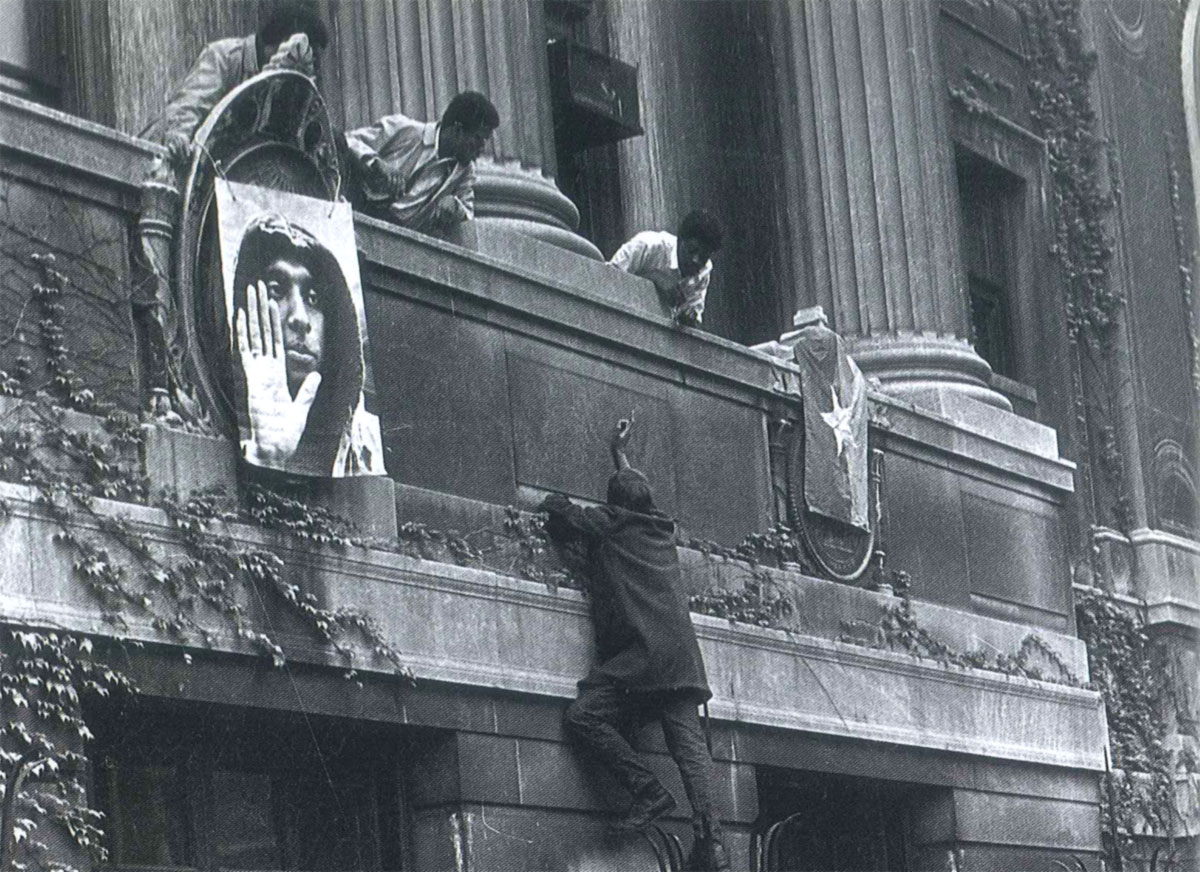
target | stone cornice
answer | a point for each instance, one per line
(74, 143)
(1147, 536)
(472, 627)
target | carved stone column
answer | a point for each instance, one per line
(413, 56)
(879, 200)
(153, 298)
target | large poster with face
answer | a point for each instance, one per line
(294, 313)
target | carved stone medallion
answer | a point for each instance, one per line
(838, 550)
(272, 130)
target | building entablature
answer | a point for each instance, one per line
(459, 625)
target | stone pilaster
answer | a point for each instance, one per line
(413, 56)
(877, 174)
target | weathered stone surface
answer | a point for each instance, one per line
(442, 394)
(179, 462)
(74, 143)
(366, 501)
(85, 241)
(949, 519)
(563, 411)
(1011, 430)
(1167, 576)
(996, 819)
(523, 253)
(522, 637)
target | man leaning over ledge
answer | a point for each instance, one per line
(420, 174)
(291, 37)
(678, 264)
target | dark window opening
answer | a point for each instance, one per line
(212, 788)
(1177, 504)
(989, 199)
(832, 822)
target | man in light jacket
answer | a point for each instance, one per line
(418, 174)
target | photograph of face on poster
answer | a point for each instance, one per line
(294, 312)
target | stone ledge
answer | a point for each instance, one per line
(73, 142)
(522, 637)
(824, 606)
(995, 423)
(1167, 576)
(571, 306)
(1034, 459)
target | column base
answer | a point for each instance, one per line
(923, 368)
(524, 200)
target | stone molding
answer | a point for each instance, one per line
(761, 676)
(574, 296)
(74, 143)
(1167, 576)
(564, 292)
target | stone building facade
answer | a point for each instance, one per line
(993, 204)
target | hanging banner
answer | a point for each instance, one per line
(294, 314)
(835, 428)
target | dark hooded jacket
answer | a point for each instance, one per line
(645, 641)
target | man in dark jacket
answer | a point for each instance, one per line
(648, 664)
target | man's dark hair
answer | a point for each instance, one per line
(471, 110)
(704, 226)
(629, 489)
(294, 16)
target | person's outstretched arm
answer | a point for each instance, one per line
(618, 442)
(567, 521)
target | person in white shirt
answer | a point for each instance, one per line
(679, 264)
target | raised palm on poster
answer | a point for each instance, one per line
(277, 419)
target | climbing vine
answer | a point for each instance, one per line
(1138, 796)
(758, 601)
(205, 576)
(1061, 68)
(216, 575)
(1034, 659)
(45, 675)
(1085, 186)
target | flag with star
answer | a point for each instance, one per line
(835, 427)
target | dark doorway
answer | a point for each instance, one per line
(812, 821)
(991, 202)
(200, 787)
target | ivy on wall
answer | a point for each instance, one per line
(1084, 189)
(206, 577)
(44, 677)
(1138, 795)
(1061, 68)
